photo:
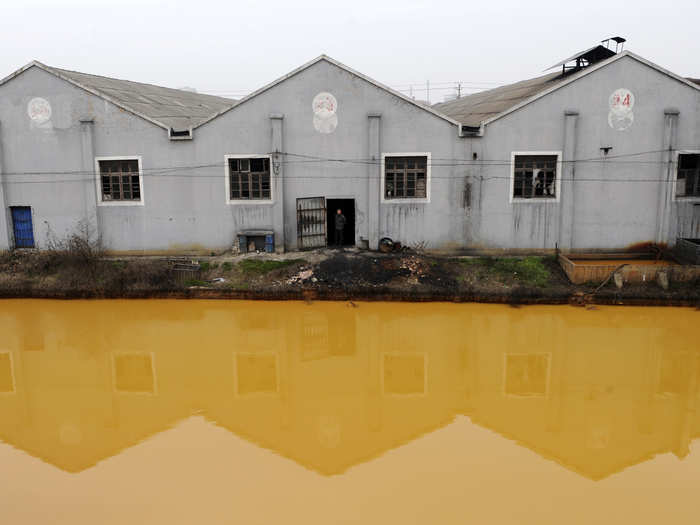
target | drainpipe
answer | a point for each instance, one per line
(373, 181)
(4, 222)
(663, 215)
(568, 194)
(90, 187)
(277, 181)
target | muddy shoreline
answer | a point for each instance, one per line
(325, 275)
(363, 295)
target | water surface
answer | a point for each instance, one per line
(117, 412)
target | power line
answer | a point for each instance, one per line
(173, 171)
(309, 159)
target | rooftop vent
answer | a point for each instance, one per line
(590, 56)
(619, 43)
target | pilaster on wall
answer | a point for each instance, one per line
(92, 225)
(567, 182)
(373, 182)
(4, 211)
(663, 215)
(277, 180)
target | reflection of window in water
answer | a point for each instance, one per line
(404, 374)
(672, 371)
(134, 373)
(526, 375)
(323, 337)
(7, 379)
(256, 373)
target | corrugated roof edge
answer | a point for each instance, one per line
(343, 67)
(588, 71)
(97, 93)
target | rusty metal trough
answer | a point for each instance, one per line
(632, 267)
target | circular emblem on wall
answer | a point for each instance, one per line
(325, 107)
(39, 110)
(621, 116)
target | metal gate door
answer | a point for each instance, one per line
(22, 224)
(311, 223)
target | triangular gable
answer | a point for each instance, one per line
(344, 68)
(588, 71)
(145, 94)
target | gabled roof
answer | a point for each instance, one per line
(487, 106)
(325, 58)
(474, 109)
(172, 109)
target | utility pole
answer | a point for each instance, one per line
(459, 90)
(427, 89)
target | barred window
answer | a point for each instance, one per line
(535, 176)
(120, 180)
(405, 177)
(688, 176)
(249, 179)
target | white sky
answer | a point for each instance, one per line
(231, 48)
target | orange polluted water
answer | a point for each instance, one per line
(117, 412)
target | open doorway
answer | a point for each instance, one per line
(347, 206)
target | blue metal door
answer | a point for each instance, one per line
(22, 224)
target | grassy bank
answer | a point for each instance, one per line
(323, 274)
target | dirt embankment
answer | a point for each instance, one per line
(322, 274)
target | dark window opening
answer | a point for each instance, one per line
(535, 176)
(405, 177)
(688, 176)
(347, 207)
(249, 179)
(120, 180)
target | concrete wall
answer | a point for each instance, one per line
(598, 208)
(398, 127)
(185, 208)
(50, 166)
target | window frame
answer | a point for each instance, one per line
(406, 200)
(227, 180)
(382, 370)
(674, 168)
(548, 380)
(126, 353)
(98, 182)
(557, 178)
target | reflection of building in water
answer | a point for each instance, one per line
(7, 374)
(526, 374)
(134, 373)
(331, 386)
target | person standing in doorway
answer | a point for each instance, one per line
(340, 221)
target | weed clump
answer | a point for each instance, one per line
(529, 270)
(263, 266)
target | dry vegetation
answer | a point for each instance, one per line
(76, 267)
